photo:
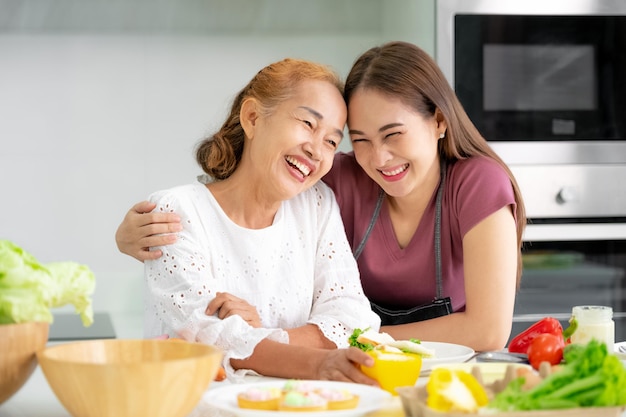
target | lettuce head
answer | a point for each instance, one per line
(29, 289)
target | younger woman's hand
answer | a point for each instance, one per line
(226, 305)
(142, 229)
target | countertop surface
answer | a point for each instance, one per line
(36, 398)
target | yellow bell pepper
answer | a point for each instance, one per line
(393, 370)
(454, 390)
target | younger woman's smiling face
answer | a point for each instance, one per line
(394, 144)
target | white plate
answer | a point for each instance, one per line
(370, 399)
(445, 353)
(620, 354)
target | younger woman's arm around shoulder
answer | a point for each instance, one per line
(142, 229)
(490, 268)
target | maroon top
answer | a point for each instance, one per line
(403, 278)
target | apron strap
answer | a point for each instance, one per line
(379, 203)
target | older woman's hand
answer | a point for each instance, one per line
(344, 365)
(226, 305)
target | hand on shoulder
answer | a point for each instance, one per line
(142, 229)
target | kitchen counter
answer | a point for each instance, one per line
(36, 398)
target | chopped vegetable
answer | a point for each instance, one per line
(450, 391)
(396, 362)
(409, 346)
(393, 369)
(591, 377)
(374, 338)
(353, 340)
(367, 340)
(546, 348)
(29, 289)
(221, 374)
(567, 333)
(521, 342)
(544, 340)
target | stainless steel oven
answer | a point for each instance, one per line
(545, 83)
(572, 263)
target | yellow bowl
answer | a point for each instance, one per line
(19, 344)
(393, 370)
(139, 378)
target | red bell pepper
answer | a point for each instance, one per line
(521, 342)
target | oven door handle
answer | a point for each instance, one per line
(574, 232)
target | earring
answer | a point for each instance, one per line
(442, 135)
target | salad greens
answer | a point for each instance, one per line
(591, 377)
(352, 340)
(29, 289)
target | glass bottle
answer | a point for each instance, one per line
(594, 322)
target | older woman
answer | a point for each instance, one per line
(263, 242)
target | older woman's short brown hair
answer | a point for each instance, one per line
(220, 154)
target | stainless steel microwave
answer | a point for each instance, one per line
(552, 73)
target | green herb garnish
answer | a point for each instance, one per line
(353, 340)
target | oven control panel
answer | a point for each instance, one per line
(572, 191)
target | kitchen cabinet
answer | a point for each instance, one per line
(411, 20)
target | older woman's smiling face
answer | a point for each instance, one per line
(294, 146)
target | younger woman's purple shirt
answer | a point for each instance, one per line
(402, 278)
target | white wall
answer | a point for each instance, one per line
(91, 123)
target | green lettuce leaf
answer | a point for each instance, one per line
(29, 289)
(73, 284)
(20, 305)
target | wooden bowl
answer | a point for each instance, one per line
(18, 346)
(139, 378)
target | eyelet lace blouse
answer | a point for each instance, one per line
(299, 270)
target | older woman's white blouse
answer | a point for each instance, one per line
(299, 270)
